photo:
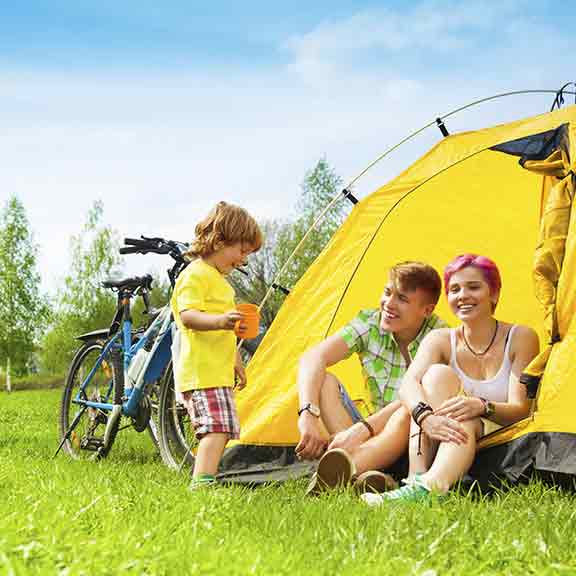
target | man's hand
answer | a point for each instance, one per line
(461, 408)
(312, 441)
(239, 376)
(444, 429)
(350, 438)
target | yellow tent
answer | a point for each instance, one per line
(481, 192)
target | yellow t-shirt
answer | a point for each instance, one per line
(206, 357)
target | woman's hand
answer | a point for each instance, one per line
(444, 429)
(462, 408)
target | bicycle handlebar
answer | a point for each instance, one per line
(145, 245)
(133, 241)
(130, 250)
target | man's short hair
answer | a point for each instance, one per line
(413, 275)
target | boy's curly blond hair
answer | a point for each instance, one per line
(226, 224)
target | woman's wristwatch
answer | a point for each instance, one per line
(489, 408)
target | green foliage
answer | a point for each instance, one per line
(24, 311)
(83, 305)
(38, 381)
(319, 187)
(132, 515)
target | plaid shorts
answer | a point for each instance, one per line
(212, 410)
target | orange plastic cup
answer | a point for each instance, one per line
(250, 321)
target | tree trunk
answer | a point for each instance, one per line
(8, 383)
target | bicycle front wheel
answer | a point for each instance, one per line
(176, 437)
(84, 426)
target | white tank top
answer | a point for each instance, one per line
(494, 389)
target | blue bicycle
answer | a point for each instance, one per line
(117, 372)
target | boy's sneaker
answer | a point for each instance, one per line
(375, 482)
(335, 469)
(202, 481)
(413, 491)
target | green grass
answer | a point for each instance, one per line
(131, 515)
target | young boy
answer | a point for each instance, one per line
(204, 310)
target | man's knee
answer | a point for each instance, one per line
(331, 392)
(443, 378)
(331, 385)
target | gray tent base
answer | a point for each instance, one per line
(549, 455)
(258, 465)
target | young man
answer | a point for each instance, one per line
(386, 340)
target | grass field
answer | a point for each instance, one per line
(131, 515)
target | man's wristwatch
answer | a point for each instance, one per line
(309, 407)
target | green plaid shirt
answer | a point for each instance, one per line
(383, 365)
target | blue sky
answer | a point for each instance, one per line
(162, 108)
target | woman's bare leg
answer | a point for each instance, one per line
(453, 460)
(439, 383)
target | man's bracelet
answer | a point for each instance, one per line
(370, 429)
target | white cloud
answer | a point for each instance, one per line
(438, 27)
(161, 149)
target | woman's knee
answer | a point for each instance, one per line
(440, 377)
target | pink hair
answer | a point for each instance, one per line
(485, 265)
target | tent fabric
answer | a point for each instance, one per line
(557, 196)
(469, 193)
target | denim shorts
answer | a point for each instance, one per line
(349, 405)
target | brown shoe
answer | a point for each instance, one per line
(335, 469)
(375, 482)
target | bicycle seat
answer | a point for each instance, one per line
(129, 283)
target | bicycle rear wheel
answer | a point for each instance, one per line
(86, 439)
(176, 436)
(152, 428)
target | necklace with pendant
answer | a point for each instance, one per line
(487, 348)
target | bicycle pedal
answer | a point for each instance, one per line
(91, 444)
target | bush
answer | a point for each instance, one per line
(34, 382)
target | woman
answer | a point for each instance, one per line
(463, 383)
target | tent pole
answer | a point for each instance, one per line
(340, 195)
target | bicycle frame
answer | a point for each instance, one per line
(159, 335)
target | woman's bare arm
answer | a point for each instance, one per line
(524, 347)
